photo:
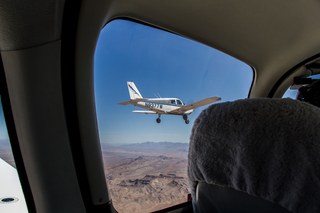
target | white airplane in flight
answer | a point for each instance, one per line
(168, 106)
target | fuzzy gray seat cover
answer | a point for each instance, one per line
(268, 148)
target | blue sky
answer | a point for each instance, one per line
(158, 62)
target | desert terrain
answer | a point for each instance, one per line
(141, 177)
(146, 177)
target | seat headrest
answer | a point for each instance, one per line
(268, 148)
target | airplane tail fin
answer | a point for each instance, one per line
(133, 91)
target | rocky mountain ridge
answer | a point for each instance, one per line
(146, 184)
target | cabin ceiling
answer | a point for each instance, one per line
(271, 36)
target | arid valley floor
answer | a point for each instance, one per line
(141, 177)
(147, 176)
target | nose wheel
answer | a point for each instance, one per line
(158, 119)
(185, 118)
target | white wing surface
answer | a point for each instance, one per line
(194, 105)
(11, 195)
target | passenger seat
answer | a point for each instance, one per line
(256, 155)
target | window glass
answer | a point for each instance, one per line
(11, 195)
(146, 156)
(179, 102)
(292, 93)
(5, 148)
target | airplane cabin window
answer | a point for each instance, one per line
(290, 93)
(293, 91)
(5, 147)
(139, 74)
(11, 195)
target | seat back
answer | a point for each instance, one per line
(218, 199)
(255, 154)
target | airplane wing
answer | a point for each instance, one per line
(133, 101)
(11, 194)
(195, 105)
(144, 112)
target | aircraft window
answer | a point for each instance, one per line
(179, 102)
(5, 147)
(10, 191)
(145, 157)
(292, 93)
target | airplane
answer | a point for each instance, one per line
(169, 106)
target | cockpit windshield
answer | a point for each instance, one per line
(179, 102)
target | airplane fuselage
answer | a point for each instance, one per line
(164, 104)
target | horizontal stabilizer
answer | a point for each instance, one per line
(144, 112)
(133, 101)
(196, 104)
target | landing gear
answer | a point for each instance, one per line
(158, 119)
(185, 118)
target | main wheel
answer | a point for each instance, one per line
(187, 121)
(158, 120)
(185, 117)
